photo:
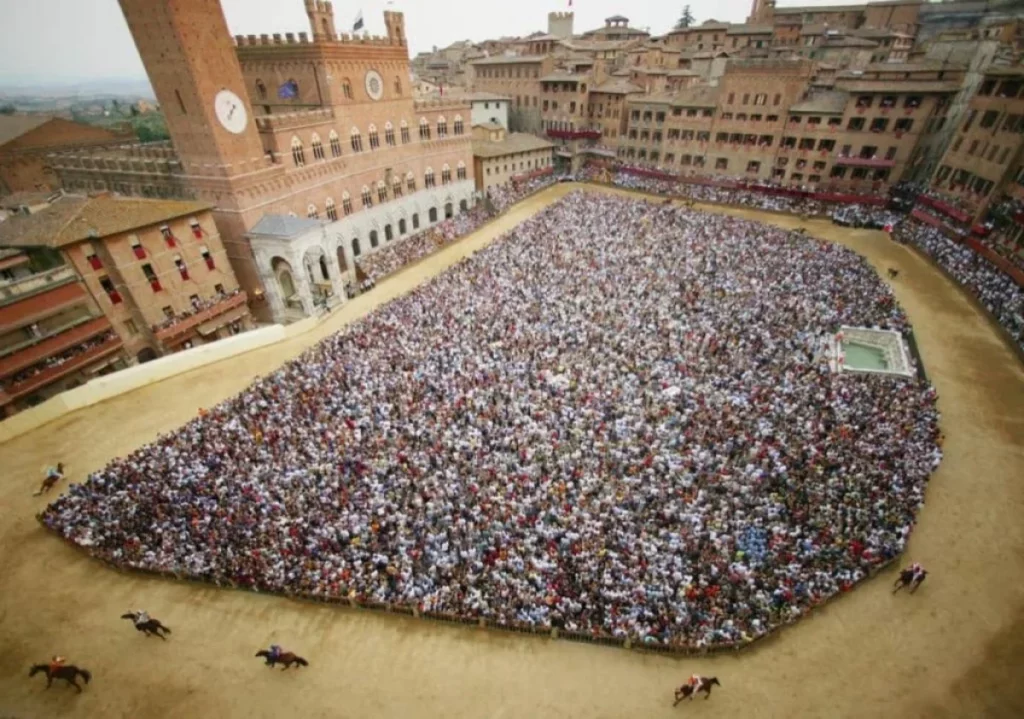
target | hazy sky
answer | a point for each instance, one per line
(62, 40)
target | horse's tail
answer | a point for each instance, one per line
(301, 662)
(86, 675)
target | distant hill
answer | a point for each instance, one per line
(134, 88)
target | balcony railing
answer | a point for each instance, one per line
(52, 374)
(186, 325)
(30, 308)
(877, 162)
(575, 134)
(37, 282)
(52, 345)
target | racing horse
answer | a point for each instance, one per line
(150, 626)
(286, 658)
(67, 672)
(686, 691)
(910, 578)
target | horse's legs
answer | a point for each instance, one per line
(72, 682)
(49, 680)
(899, 586)
(707, 691)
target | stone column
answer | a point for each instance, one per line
(301, 279)
(337, 282)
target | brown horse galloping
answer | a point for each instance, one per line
(68, 673)
(153, 626)
(686, 691)
(286, 658)
(909, 578)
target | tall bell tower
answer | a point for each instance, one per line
(193, 66)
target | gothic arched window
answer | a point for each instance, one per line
(318, 148)
(298, 154)
(335, 144)
(357, 140)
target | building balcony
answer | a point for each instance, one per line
(186, 325)
(39, 282)
(873, 162)
(52, 374)
(945, 208)
(53, 345)
(31, 308)
(575, 134)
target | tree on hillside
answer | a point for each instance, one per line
(686, 20)
(8, 109)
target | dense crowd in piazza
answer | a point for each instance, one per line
(395, 256)
(996, 291)
(866, 216)
(616, 420)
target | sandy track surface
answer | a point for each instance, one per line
(955, 649)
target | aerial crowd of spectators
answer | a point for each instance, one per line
(867, 216)
(618, 419)
(59, 359)
(196, 306)
(996, 291)
(403, 251)
(507, 195)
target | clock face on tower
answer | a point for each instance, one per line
(231, 111)
(374, 85)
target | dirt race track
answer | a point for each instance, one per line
(955, 649)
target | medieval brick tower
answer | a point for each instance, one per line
(190, 59)
(193, 66)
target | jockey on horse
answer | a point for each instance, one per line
(140, 616)
(695, 682)
(56, 663)
(911, 577)
(53, 475)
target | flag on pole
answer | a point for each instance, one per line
(358, 25)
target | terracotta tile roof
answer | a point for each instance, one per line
(74, 218)
(617, 87)
(749, 30)
(514, 142)
(827, 103)
(14, 126)
(503, 59)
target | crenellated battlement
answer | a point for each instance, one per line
(290, 39)
(561, 15)
(284, 121)
(321, 14)
(442, 103)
